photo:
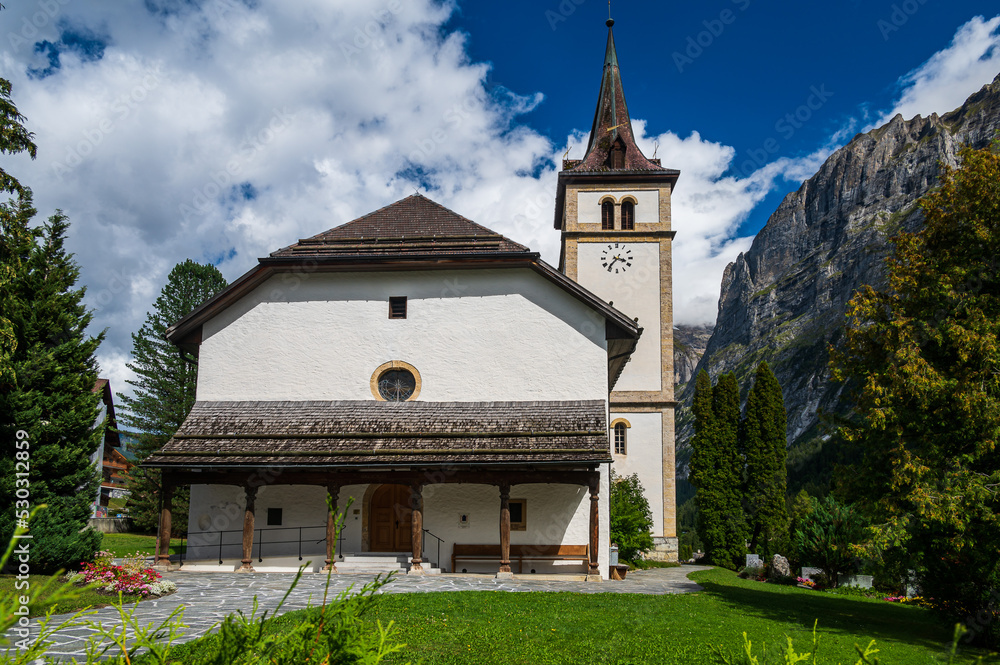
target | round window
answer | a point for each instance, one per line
(397, 385)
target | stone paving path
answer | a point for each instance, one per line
(208, 597)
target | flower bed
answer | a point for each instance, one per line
(131, 577)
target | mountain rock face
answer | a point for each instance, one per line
(690, 343)
(784, 300)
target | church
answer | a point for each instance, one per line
(461, 401)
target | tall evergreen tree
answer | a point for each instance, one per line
(764, 444)
(716, 470)
(51, 398)
(165, 385)
(726, 408)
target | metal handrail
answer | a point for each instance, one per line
(259, 540)
(438, 561)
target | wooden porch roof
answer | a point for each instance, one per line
(351, 434)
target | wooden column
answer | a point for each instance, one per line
(331, 528)
(248, 520)
(505, 528)
(417, 522)
(595, 529)
(163, 545)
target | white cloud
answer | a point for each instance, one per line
(945, 81)
(223, 130)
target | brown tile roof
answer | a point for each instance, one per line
(413, 226)
(611, 122)
(369, 433)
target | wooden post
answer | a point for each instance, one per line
(248, 519)
(163, 545)
(417, 523)
(331, 528)
(595, 530)
(504, 530)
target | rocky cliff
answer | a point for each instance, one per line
(784, 300)
(690, 343)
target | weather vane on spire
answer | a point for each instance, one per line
(610, 22)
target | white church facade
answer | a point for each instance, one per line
(464, 398)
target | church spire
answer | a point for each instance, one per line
(612, 144)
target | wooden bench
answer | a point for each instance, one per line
(520, 553)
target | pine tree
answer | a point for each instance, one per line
(716, 470)
(165, 384)
(51, 398)
(726, 409)
(921, 358)
(764, 445)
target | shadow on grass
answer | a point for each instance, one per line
(879, 620)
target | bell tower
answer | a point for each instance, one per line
(613, 210)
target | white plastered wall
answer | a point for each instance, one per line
(647, 205)
(636, 293)
(489, 335)
(644, 456)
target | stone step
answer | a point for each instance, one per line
(383, 560)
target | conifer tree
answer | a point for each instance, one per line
(165, 385)
(726, 409)
(51, 398)
(764, 445)
(716, 470)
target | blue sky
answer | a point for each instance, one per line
(688, 67)
(221, 130)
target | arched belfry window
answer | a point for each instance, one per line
(607, 215)
(621, 438)
(616, 156)
(628, 216)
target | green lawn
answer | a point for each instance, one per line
(86, 598)
(533, 628)
(123, 544)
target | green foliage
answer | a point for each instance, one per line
(788, 655)
(164, 392)
(829, 537)
(631, 518)
(716, 469)
(333, 632)
(764, 444)
(51, 401)
(15, 235)
(688, 541)
(921, 358)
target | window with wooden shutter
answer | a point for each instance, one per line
(628, 216)
(607, 216)
(397, 307)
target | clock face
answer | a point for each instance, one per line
(616, 258)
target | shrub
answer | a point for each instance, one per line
(829, 536)
(631, 519)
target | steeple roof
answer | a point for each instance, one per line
(612, 129)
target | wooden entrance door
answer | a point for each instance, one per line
(391, 523)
